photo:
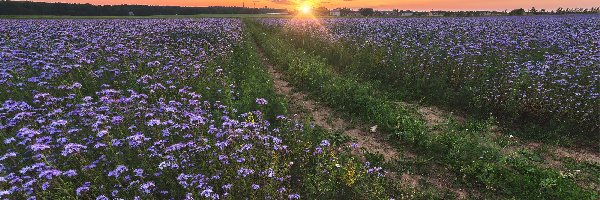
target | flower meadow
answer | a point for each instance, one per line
(544, 69)
(144, 109)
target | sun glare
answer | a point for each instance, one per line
(305, 8)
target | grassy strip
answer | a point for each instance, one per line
(253, 81)
(463, 148)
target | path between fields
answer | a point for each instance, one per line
(367, 138)
(322, 116)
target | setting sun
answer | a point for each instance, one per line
(305, 8)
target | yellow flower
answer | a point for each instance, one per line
(350, 176)
(250, 118)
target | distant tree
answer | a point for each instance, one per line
(533, 10)
(345, 11)
(321, 11)
(519, 11)
(366, 11)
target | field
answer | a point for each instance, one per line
(233, 107)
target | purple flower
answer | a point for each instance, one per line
(45, 185)
(261, 101)
(117, 172)
(4, 193)
(102, 133)
(206, 192)
(102, 197)
(117, 120)
(72, 148)
(139, 172)
(325, 143)
(70, 173)
(153, 122)
(255, 186)
(147, 187)
(245, 172)
(318, 150)
(27, 133)
(48, 174)
(9, 140)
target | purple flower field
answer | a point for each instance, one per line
(140, 109)
(243, 108)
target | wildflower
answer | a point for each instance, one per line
(318, 150)
(227, 186)
(147, 187)
(117, 172)
(102, 197)
(102, 133)
(261, 101)
(76, 85)
(153, 122)
(9, 140)
(45, 185)
(83, 188)
(4, 193)
(48, 174)
(117, 119)
(72, 148)
(206, 192)
(70, 173)
(325, 143)
(245, 172)
(139, 172)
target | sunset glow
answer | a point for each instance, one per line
(305, 9)
(424, 5)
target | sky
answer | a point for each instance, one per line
(422, 5)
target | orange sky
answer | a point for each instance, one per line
(379, 4)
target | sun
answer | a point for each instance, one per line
(305, 8)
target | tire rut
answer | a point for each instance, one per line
(323, 116)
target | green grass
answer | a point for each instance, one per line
(252, 80)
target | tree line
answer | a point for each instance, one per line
(519, 11)
(40, 8)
